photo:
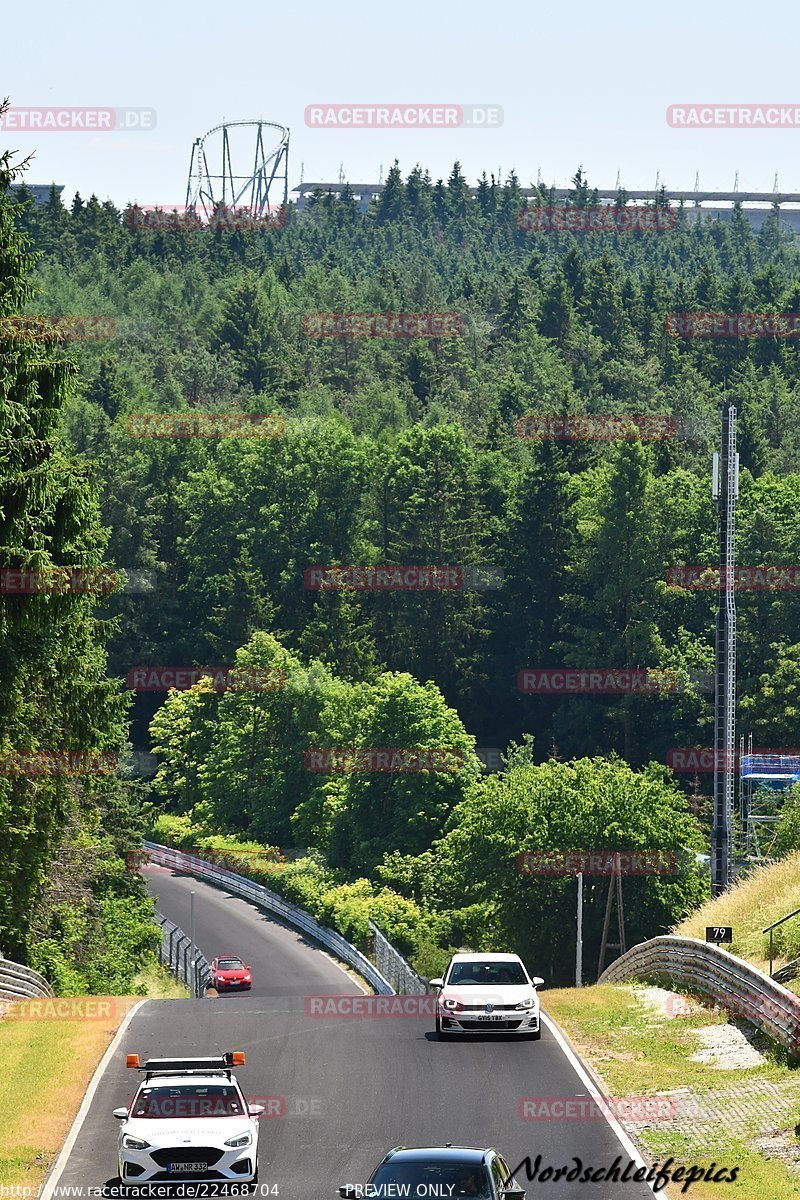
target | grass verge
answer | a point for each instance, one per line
(746, 1115)
(56, 1057)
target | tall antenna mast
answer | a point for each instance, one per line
(726, 491)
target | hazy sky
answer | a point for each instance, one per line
(578, 82)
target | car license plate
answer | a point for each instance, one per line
(493, 1017)
(189, 1168)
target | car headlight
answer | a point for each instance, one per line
(248, 979)
(451, 1003)
(529, 1003)
(132, 1143)
(237, 1143)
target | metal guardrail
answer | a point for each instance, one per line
(730, 982)
(18, 982)
(175, 952)
(391, 964)
(298, 918)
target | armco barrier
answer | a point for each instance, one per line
(730, 982)
(296, 917)
(17, 982)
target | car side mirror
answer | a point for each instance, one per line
(437, 983)
(121, 1114)
(348, 1191)
(255, 1110)
(537, 981)
(514, 1193)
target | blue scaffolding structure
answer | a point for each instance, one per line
(765, 778)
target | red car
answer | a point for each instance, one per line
(229, 973)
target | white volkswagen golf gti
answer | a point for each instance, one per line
(188, 1120)
(487, 993)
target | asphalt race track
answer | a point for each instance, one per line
(342, 1091)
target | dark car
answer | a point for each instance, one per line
(453, 1171)
(229, 973)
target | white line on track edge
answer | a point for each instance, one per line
(61, 1162)
(580, 1071)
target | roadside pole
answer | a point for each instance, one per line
(192, 988)
(579, 942)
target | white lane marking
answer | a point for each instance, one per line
(580, 1071)
(77, 1124)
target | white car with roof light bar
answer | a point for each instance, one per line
(189, 1120)
(487, 993)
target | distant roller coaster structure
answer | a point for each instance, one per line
(250, 187)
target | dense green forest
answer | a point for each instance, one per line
(408, 452)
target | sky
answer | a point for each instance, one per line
(577, 82)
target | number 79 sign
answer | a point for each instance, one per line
(719, 933)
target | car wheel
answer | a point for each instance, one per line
(535, 1037)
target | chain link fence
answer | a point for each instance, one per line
(392, 966)
(175, 952)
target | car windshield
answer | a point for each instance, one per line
(189, 1100)
(440, 1179)
(479, 972)
(230, 964)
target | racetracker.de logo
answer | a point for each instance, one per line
(599, 428)
(383, 325)
(78, 120)
(372, 1007)
(621, 1108)
(597, 862)
(204, 425)
(597, 218)
(403, 116)
(734, 116)
(780, 760)
(31, 763)
(74, 581)
(185, 216)
(42, 327)
(737, 579)
(344, 760)
(229, 678)
(62, 1008)
(733, 325)
(608, 680)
